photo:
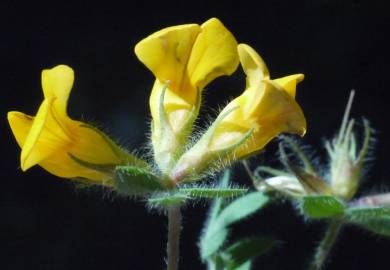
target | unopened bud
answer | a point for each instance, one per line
(346, 162)
(287, 185)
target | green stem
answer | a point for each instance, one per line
(174, 228)
(326, 245)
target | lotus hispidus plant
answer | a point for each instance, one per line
(184, 59)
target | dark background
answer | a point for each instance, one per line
(47, 224)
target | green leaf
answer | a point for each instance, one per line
(136, 181)
(379, 226)
(364, 213)
(211, 193)
(167, 199)
(321, 206)
(209, 244)
(246, 250)
(216, 207)
(245, 266)
(239, 209)
(216, 232)
(212, 243)
(216, 262)
(375, 219)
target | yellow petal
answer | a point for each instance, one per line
(189, 57)
(43, 138)
(177, 109)
(52, 140)
(87, 145)
(20, 124)
(214, 54)
(167, 51)
(274, 112)
(279, 110)
(289, 83)
(57, 83)
(44, 141)
(253, 65)
(61, 166)
(228, 133)
(92, 146)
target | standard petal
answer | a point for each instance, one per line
(57, 83)
(214, 54)
(253, 65)
(289, 83)
(166, 53)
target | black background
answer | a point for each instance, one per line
(47, 224)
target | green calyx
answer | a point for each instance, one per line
(200, 158)
(164, 140)
(169, 145)
(136, 181)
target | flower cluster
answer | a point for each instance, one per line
(184, 59)
(345, 168)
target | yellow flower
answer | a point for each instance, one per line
(184, 59)
(62, 146)
(265, 109)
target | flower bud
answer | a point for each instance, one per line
(288, 185)
(346, 162)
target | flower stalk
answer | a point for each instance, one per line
(326, 244)
(174, 229)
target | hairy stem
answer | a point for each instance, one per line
(174, 228)
(326, 245)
